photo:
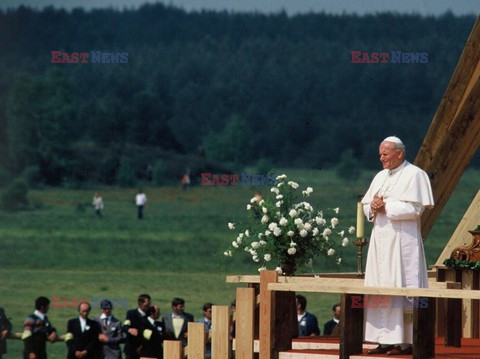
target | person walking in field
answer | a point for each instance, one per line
(98, 204)
(140, 200)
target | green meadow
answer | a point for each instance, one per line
(62, 249)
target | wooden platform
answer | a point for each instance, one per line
(470, 349)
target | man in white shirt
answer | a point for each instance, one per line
(140, 200)
(395, 201)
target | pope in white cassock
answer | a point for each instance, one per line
(395, 201)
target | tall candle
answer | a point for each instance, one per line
(360, 219)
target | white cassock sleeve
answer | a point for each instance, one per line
(403, 211)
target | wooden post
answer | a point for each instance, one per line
(172, 349)
(267, 310)
(244, 323)
(196, 340)
(220, 331)
(453, 322)
(454, 134)
(351, 326)
(424, 329)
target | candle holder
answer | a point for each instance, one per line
(360, 243)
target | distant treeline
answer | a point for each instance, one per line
(245, 87)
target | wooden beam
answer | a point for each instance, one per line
(244, 325)
(379, 291)
(454, 134)
(424, 330)
(324, 280)
(196, 340)
(220, 331)
(172, 349)
(267, 310)
(461, 237)
(351, 327)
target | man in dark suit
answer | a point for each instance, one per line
(176, 322)
(151, 334)
(82, 335)
(5, 329)
(132, 324)
(307, 322)
(111, 332)
(329, 327)
(37, 331)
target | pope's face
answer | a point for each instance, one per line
(389, 157)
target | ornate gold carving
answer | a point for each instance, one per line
(470, 253)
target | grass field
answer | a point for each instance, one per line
(63, 250)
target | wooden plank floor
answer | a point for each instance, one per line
(470, 349)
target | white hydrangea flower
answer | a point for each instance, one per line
(277, 232)
(262, 268)
(298, 221)
(267, 232)
(305, 194)
(292, 251)
(265, 218)
(292, 213)
(260, 235)
(246, 249)
(253, 252)
(283, 221)
(341, 233)
(264, 210)
(303, 233)
(292, 184)
(339, 260)
(309, 190)
(255, 258)
(300, 226)
(293, 244)
(272, 226)
(231, 225)
(308, 226)
(279, 270)
(247, 233)
(279, 204)
(331, 252)
(262, 243)
(326, 232)
(267, 257)
(315, 231)
(280, 184)
(253, 200)
(279, 196)
(336, 210)
(228, 253)
(290, 233)
(249, 207)
(255, 245)
(345, 242)
(351, 230)
(274, 190)
(261, 202)
(235, 244)
(334, 222)
(281, 177)
(307, 206)
(320, 221)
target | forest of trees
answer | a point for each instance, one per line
(248, 88)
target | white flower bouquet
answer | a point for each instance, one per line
(287, 234)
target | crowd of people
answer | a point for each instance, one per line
(142, 333)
